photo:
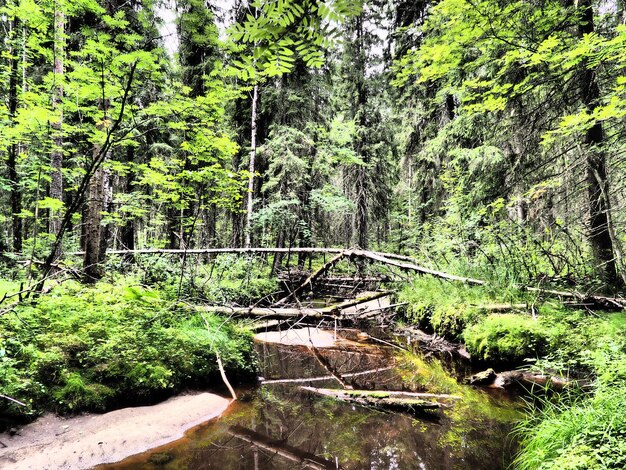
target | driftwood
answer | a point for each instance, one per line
(403, 401)
(304, 459)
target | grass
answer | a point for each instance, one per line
(574, 430)
(576, 433)
(95, 348)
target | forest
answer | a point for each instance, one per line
(168, 167)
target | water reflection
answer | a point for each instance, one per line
(280, 426)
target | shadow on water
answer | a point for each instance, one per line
(280, 426)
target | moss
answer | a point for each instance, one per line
(84, 348)
(509, 338)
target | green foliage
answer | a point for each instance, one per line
(578, 433)
(92, 348)
(443, 307)
(509, 338)
(580, 430)
(281, 32)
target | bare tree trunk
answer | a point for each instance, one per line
(361, 209)
(13, 150)
(96, 204)
(127, 231)
(362, 225)
(602, 244)
(251, 167)
(56, 157)
(93, 227)
(107, 204)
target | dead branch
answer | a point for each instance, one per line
(305, 459)
(325, 377)
(309, 281)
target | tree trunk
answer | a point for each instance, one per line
(93, 227)
(13, 150)
(127, 231)
(96, 204)
(253, 122)
(602, 244)
(359, 112)
(56, 157)
(107, 204)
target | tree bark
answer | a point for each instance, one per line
(251, 167)
(13, 150)
(127, 231)
(362, 216)
(56, 157)
(96, 204)
(602, 243)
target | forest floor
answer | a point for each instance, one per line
(130, 341)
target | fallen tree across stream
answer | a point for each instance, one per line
(331, 311)
(386, 400)
(402, 262)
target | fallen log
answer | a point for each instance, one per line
(599, 301)
(303, 458)
(372, 312)
(398, 401)
(331, 312)
(511, 378)
(268, 312)
(325, 377)
(309, 280)
(399, 394)
(264, 325)
(414, 267)
(399, 261)
(366, 297)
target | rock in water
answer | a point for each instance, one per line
(485, 377)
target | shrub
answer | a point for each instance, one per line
(82, 348)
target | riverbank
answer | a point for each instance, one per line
(112, 345)
(82, 442)
(578, 428)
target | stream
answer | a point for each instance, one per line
(278, 425)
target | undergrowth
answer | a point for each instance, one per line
(96, 348)
(577, 429)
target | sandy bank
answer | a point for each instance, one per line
(82, 442)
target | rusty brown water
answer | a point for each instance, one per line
(280, 426)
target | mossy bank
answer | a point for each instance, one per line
(113, 344)
(577, 429)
